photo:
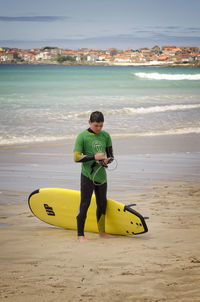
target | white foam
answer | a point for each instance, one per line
(152, 109)
(128, 111)
(166, 76)
(32, 139)
(29, 140)
(191, 130)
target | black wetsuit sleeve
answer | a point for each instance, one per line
(80, 158)
(109, 152)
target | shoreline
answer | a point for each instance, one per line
(188, 142)
(139, 161)
(109, 64)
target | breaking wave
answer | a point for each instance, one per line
(181, 131)
(70, 138)
(166, 76)
(31, 139)
(139, 110)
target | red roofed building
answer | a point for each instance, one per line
(9, 56)
(163, 58)
(166, 48)
(189, 49)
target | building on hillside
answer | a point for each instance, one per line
(167, 48)
(102, 57)
(171, 51)
(181, 58)
(92, 57)
(145, 52)
(3, 57)
(189, 49)
(55, 52)
(67, 52)
(198, 57)
(163, 58)
(43, 56)
(194, 57)
(155, 50)
(121, 58)
(85, 51)
(9, 57)
(135, 54)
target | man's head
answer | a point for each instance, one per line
(96, 121)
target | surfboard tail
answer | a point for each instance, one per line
(129, 209)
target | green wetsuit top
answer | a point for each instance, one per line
(87, 145)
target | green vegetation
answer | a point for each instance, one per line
(83, 58)
(61, 59)
(49, 47)
(113, 52)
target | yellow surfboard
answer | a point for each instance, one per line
(59, 207)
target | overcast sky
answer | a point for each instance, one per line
(123, 24)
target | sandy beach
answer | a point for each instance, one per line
(39, 262)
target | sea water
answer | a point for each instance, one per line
(48, 103)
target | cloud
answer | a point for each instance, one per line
(33, 19)
(163, 29)
(168, 34)
(174, 27)
(120, 41)
(194, 28)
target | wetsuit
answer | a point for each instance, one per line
(87, 145)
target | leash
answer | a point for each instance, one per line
(102, 164)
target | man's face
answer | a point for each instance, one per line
(95, 126)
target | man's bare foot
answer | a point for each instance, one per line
(82, 239)
(105, 235)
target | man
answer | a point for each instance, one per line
(93, 148)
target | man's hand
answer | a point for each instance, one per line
(108, 160)
(99, 156)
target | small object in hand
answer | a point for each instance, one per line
(102, 163)
(110, 160)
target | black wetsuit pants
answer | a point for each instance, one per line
(87, 188)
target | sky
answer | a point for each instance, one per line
(122, 24)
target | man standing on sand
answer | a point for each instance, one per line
(93, 148)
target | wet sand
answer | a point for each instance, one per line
(44, 263)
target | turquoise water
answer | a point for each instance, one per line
(46, 103)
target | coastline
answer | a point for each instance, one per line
(147, 64)
(38, 261)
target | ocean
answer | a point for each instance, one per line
(43, 103)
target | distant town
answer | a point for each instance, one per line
(166, 55)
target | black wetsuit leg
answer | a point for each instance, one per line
(87, 188)
(101, 199)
